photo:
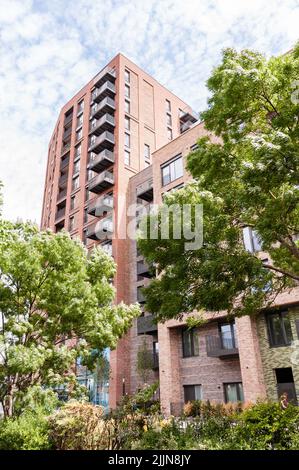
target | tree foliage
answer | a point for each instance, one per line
(245, 176)
(55, 305)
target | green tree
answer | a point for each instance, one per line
(55, 305)
(246, 175)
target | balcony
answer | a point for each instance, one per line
(101, 182)
(64, 163)
(145, 190)
(140, 296)
(105, 123)
(68, 119)
(67, 133)
(217, 346)
(98, 206)
(107, 105)
(103, 76)
(143, 269)
(146, 325)
(101, 229)
(104, 141)
(61, 195)
(65, 148)
(60, 214)
(62, 182)
(107, 89)
(188, 116)
(101, 161)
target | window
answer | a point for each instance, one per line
(127, 123)
(84, 238)
(93, 138)
(279, 329)
(169, 133)
(127, 76)
(79, 134)
(127, 140)
(127, 106)
(127, 157)
(168, 120)
(168, 106)
(147, 152)
(127, 91)
(172, 171)
(192, 392)
(75, 183)
(72, 224)
(76, 168)
(78, 151)
(251, 239)
(73, 203)
(80, 120)
(228, 336)
(233, 392)
(190, 342)
(80, 106)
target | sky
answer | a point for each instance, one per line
(49, 49)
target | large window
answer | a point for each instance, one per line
(233, 392)
(190, 342)
(127, 107)
(228, 336)
(127, 123)
(127, 91)
(127, 76)
(252, 240)
(279, 329)
(147, 152)
(172, 171)
(192, 392)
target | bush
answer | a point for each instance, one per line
(78, 426)
(29, 431)
(267, 426)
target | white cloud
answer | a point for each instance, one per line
(49, 49)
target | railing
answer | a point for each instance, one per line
(68, 119)
(60, 213)
(63, 180)
(218, 346)
(65, 148)
(62, 194)
(100, 205)
(106, 135)
(109, 86)
(107, 118)
(106, 71)
(146, 325)
(64, 163)
(98, 107)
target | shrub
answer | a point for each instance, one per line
(267, 426)
(29, 431)
(78, 426)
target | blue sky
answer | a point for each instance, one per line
(50, 48)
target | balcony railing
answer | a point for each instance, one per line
(145, 190)
(217, 346)
(61, 195)
(68, 119)
(64, 163)
(67, 133)
(98, 162)
(188, 115)
(105, 123)
(100, 230)
(98, 206)
(60, 214)
(140, 296)
(62, 183)
(105, 74)
(143, 269)
(105, 106)
(65, 148)
(101, 182)
(107, 89)
(146, 325)
(104, 141)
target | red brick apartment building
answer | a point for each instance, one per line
(122, 140)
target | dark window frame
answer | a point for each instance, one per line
(192, 332)
(286, 341)
(189, 387)
(238, 391)
(233, 335)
